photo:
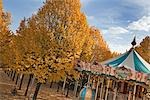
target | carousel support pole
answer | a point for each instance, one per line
(129, 96)
(97, 89)
(115, 91)
(106, 95)
(89, 76)
(144, 97)
(122, 87)
(101, 91)
(134, 92)
(64, 84)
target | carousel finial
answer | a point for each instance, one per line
(134, 41)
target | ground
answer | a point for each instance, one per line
(7, 85)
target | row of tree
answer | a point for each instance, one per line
(47, 44)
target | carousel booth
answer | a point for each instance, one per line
(125, 77)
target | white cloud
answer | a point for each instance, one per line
(119, 47)
(142, 24)
(117, 30)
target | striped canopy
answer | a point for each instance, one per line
(131, 60)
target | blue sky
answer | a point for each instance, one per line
(118, 20)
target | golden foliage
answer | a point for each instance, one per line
(49, 42)
(144, 48)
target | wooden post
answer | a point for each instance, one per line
(97, 89)
(88, 83)
(144, 97)
(106, 95)
(101, 91)
(115, 91)
(129, 96)
(134, 92)
(122, 87)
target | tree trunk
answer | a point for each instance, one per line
(21, 82)
(14, 76)
(17, 79)
(36, 91)
(11, 74)
(68, 90)
(30, 78)
(51, 84)
(58, 87)
(8, 73)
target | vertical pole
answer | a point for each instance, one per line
(64, 84)
(97, 89)
(129, 97)
(106, 95)
(101, 91)
(144, 97)
(88, 83)
(122, 87)
(134, 92)
(115, 91)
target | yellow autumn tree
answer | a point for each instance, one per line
(100, 50)
(67, 29)
(5, 35)
(144, 48)
(53, 39)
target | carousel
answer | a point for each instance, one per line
(125, 77)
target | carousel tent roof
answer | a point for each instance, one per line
(131, 59)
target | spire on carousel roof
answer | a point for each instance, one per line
(133, 42)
